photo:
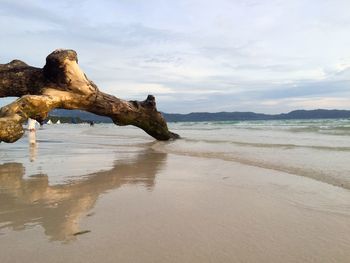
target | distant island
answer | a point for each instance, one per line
(77, 116)
(250, 116)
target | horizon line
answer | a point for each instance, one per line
(255, 112)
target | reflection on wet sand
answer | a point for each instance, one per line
(33, 151)
(58, 208)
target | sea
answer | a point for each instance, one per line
(316, 148)
(236, 191)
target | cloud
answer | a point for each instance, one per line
(194, 55)
(5, 101)
(311, 103)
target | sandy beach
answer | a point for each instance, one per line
(175, 131)
(108, 194)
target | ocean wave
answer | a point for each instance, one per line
(323, 163)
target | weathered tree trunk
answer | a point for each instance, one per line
(62, 84)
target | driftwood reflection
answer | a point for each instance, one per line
(58, 208)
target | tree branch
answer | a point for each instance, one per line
(62, 84)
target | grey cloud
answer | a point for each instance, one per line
(25, 10)
(302, 89)
(204, 66)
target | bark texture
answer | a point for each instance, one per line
(62, 84)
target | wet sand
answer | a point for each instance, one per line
(96, 198)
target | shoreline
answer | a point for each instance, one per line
(133, 203)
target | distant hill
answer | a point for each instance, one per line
(242, 116)
(82, 115)
(218, 116)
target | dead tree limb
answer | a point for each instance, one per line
(62, 84)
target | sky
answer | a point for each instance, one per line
(267, 56)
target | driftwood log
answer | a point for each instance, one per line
(62, 84)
